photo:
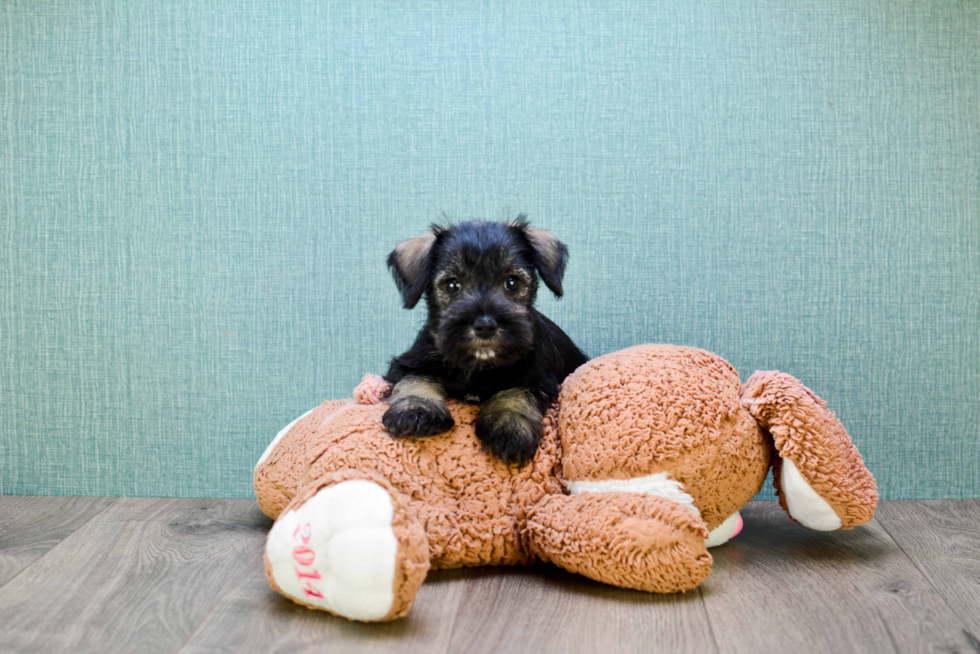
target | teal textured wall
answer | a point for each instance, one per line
(196, 199)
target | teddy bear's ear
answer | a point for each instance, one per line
(410, 265)
(550, 255)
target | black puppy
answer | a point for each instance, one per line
(483, 340)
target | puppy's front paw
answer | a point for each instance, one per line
(511, 435)
(416, 416)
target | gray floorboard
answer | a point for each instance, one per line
(545, 609)
(251, 617)
(144, 575)
(538, 609)
(138, 577)
(942, 538)
(30, 526)
(779, 587)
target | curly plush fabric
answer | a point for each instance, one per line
(623, 539)
(658, 446)
(472, 505)
(278, 476)
(655, 408)
(371, 390)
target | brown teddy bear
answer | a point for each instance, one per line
(646, 459)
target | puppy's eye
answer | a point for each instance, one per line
(453, 285)
(512, 283)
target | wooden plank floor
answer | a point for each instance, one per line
(163, 575)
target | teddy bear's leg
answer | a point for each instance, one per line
(280, 468)
(625, 539)
(349, 544)
(820, 478)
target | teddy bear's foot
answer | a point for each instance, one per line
(621, 538)
(726, 531)
(348, 544)
(820, 478)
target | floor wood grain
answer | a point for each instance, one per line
(251, 617)
(138, 577)
(143, 575)
(545, 609)
(779, 587)
(30, 526)
(943, 539)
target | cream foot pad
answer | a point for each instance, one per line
(337, 551)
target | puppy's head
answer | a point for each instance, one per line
(480, 280)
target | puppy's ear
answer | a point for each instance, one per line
(409, 264)
(550, 255)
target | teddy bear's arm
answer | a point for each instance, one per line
(819, 475)
(624, 539)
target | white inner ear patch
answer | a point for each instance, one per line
(803, 503)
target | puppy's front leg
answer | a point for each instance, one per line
(418, 408)
(511, 425)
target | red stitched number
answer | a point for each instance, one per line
(304, 556)
(302, 533)
(307, 575)
(311, 591)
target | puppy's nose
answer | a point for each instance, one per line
(484, 326)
